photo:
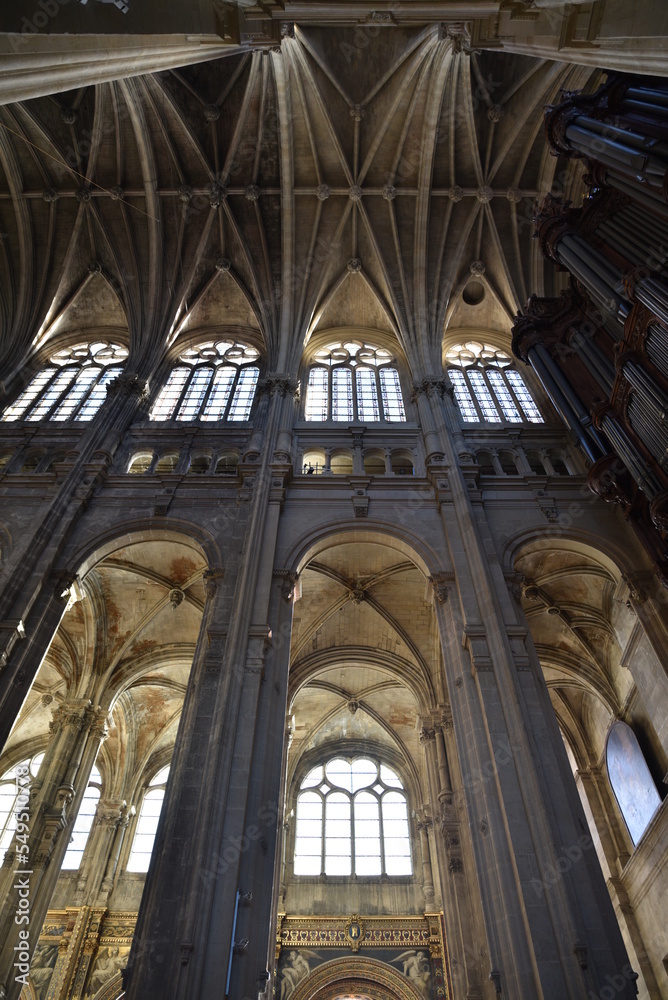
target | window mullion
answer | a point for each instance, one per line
(323, 837)
(47, 414)
(330, 392)
(208, 392)
(353, 383)
(381, 827)
(514, 395)
(86, 394)
(353, 866)
(474, 397)
(233, 389)
(492, 391)
(184, 391)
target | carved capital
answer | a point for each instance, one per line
(431, 386)
(281, 383)
(127, 384)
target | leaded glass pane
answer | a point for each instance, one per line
(524, 397)
(484, 397)
(170, 394)
(502, 393)
(390, 387)
(367, 834)
(29, 394)
(367, 395)
(337, 834)
(244, 394)
(313, 778)
(396, 840)
(364, 772)
(389, 778)
(147, 826)
(339, 772)
(317, 394)
(52, 394)
(98, 395)
(308, 836)
(82, 384)
(220, 393)
(82, 828)
(463, 397)
(195, 393)
(342, 394)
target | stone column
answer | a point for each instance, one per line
(427, 875)
(77, 731)
(523, 816)
(464, 938)
(217, 833)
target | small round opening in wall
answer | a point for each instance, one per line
(473, 293)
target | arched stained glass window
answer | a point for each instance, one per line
(213, 381)
(487, 386)
(72, 387)
(352, 818)
(631, 780)
(147, 823)
(84, 822)
(14, 796)
(354, 381)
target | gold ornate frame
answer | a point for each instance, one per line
(365, 977)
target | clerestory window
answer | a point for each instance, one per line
(84, 822)
(352, 817)
(73, 386)
(147, 823)
(488, 387)
(354, 381)
(213, 381)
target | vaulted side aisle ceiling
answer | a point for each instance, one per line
(281, 193)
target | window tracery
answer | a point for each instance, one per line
(487, 387)
(147, 823)
(352, 817)
(213, 381)
(84, 822)
(354, 381)
(73, 385)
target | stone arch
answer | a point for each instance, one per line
(356, 976)
(390, 534)
(120, 536)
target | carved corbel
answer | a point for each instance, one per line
(211, 578)
(441, 583)
(287, 580)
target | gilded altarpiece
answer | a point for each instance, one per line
(401, 956)
(80, 953)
